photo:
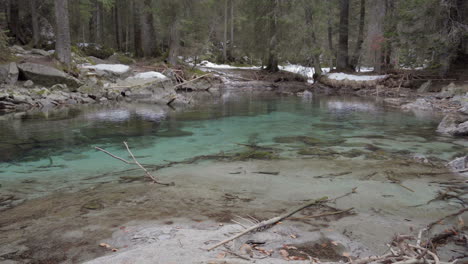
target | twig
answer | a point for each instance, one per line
(445, 217)
(271, 221)
(114, 156)
(344, 195)
(143, 168)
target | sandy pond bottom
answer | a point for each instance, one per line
(154, 224)
(61, 198)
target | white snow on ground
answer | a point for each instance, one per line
(149, 75)
(115, 68)
(344, 76)
(207, 64)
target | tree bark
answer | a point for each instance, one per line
(357, 51)
(35, 23)
(174, 42)
(272, 65)
(309, 19)
(115, 11)
(63, 43)
(343, 57)
(225, 30)
(376, 33)
(13, 22)
(136, 28)
(147, 30)
(232, 29)
(330, 37)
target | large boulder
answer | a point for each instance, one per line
(452, 90)
(454, 124)
(9, 73)
(46, 75)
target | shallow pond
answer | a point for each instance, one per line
(57, 147)
(233, 155)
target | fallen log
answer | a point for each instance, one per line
(271, 221)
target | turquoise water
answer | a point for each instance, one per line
(56, 149)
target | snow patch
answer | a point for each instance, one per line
(344, 76)
(115, 68)
(149, 75)
(208, 64)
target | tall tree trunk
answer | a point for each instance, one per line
(272, 65)
(315, 47)
(136, 28)
(115, 11)
(357, 51)
(147, 30)
(232, 29)
(225, 30)
(13, 22)
(330, 37)
(98, 20)
(343, 60)
(63, 43)
(376, 33)
(35, 23)
(174, 42)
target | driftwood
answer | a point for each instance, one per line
(135, 162)
(270, 222)
(203, 76)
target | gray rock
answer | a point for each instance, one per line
(425, 87)
(459, 164)
(28, 84)
(103, 100)
(40, 52)
(9, 73)
(452, 90)
(419, 104)
(454, 124)
(464, 109)
(96, 60)
(21, 99)
(57, 97)
(46, 75)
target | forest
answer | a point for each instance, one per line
(234, 131)
(343, 34)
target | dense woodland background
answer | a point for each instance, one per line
(385, 34)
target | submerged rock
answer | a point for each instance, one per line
(255, 154)
(174, 133)
(46, 75)
(459, 164)
(316, 152)
(93, 205)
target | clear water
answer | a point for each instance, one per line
(56, 149)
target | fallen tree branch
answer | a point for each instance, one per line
(271, 221)
(135, 162)
(180, 84)
(143, 168)
(114, 156)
